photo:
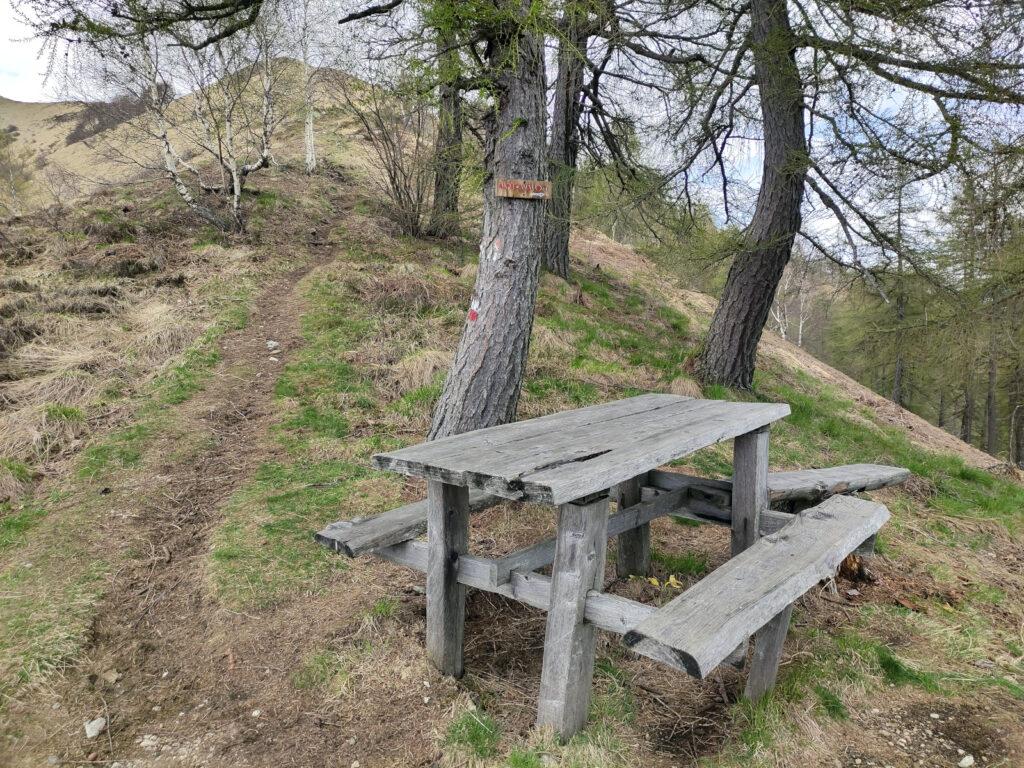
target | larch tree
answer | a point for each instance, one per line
(483, 383)
(839, 97)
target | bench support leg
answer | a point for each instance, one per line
(749, 499)
(447, 539)
(768, 643)
(749, 487)
(568, 668)
(633, 556)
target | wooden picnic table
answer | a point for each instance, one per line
(579, 461)
(573, 459)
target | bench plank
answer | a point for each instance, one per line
(558, 458)
(354, 537)
(703, 625)
(814, 484)
(804, 484)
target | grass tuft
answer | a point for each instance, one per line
(831, 704)
(475, 731)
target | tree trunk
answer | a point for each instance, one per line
(991, 403)
(444, 213)
(967, 418)
(730, 351)
(309, 105)
(942, 408)
(482, 388)
(898, 394)
(564, 146)
(1016, 398)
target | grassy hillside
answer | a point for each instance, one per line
(182, 411)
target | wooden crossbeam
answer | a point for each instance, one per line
(707, 500)
(611, 613)
(701, 627)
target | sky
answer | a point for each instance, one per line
(22, 71)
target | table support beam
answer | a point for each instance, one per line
(749, 487)
(568, 667)
(749, 495)
(447, 540)
(633, 551)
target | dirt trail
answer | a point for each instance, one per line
(150, 653)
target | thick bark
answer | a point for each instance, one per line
(482, 388)
(564, 146)
(730, 351)
(444, 213)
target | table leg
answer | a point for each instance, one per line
(633, 555)
(568, 668)
(749, 487)
(749, 499)
(447, 538)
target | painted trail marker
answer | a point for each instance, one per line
(527, 189)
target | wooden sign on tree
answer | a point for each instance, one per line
(527, 189)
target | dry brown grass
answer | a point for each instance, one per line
(11, 485)
(16, 332)
(158, 332)
(39, 358)
(419, 368)
(686, 387)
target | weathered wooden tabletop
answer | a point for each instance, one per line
(555, 459)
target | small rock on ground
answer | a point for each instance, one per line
(94, 728)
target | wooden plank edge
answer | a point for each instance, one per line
(343, 536)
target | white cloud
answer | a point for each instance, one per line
(22, 69)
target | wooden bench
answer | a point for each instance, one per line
(580, 461)
(754, 592)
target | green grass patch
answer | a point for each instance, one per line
(831, 704)
(384, 608)
(579, 393)
(19, 470)
(898, 672)
(475, 731)
(612, 700)
(16, 523)
(120, 450)
(195, 365)
(685, 564)
(524, 758)
(65, 413)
